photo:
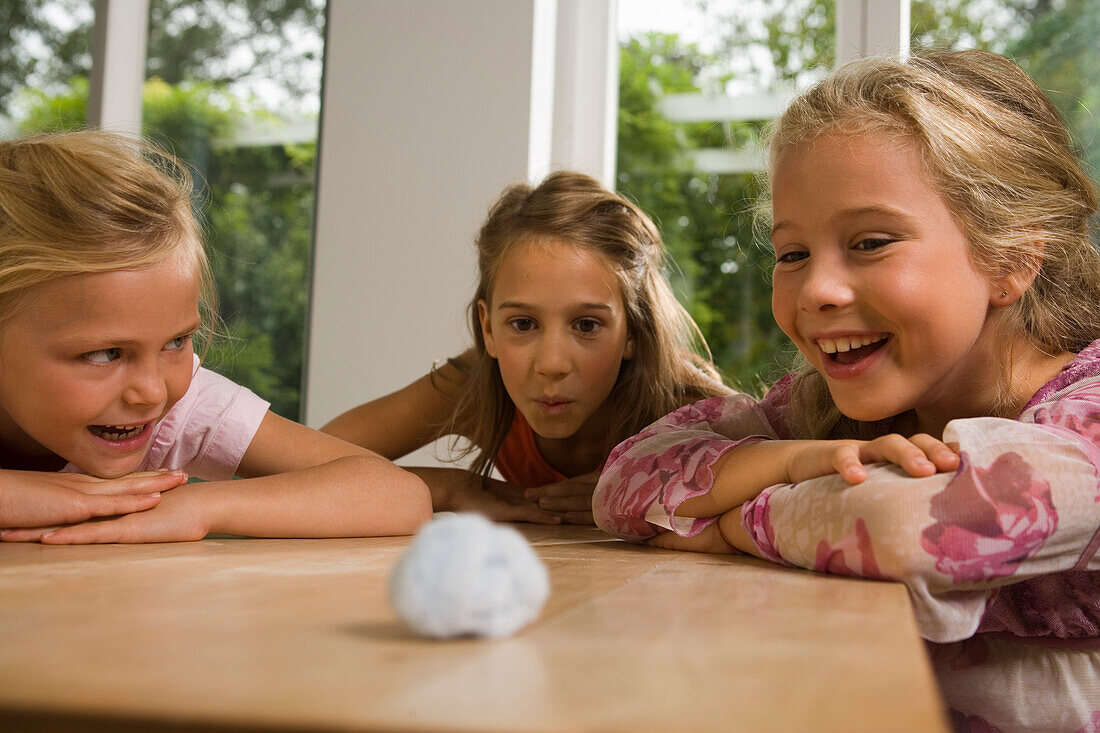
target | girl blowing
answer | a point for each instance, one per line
(103, 284)
(578, 343)
(933, 266)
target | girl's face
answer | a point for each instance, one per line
(874, 284)
(92, 362)
(556, 324)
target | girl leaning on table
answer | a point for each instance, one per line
(104, 408)
(578, 343)
(931, 227)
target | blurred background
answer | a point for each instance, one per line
(234, 87)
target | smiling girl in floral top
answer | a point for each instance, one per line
(933, 266)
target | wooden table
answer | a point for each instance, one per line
(246, 634)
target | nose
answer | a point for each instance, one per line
(552, 355)
(145, 383)
(827, 285)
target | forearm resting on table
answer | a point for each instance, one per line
(724, 536)
(740, 475)
(352, 496)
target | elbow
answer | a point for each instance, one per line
(610, 514)
(416, 507)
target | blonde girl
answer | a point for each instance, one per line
(578, 342)
(931, 227)
(103, 285)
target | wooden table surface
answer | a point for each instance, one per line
(247, 634)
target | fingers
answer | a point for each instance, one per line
(581, 503)
(24, 534)
(85, 534)
(100, 505)
(944, 457)
(148, 482)
(921, 455)
(847, 462)
(524, 513)
(576, 486)
(584, 518)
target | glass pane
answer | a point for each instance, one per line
(235, 90)
(698, 81)
(45, 59)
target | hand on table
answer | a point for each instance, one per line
(498, 500)
(41, 498)
(571, 498)
(177, 517)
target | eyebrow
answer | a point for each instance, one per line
(85, 343)
(518, 305)
(876, 209)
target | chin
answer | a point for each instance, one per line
(864, 412)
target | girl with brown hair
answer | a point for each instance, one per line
(578, 343)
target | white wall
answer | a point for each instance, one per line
(426, 117)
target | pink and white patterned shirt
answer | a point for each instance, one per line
(999, 557)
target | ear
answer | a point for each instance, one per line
(486, 328)
(628, 350)
(1007, 289)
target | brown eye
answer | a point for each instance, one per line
(521, 325)
(588, 326)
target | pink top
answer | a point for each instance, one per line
(207, 432)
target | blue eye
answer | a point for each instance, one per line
(103, 356)
(177, 343)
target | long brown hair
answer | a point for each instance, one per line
(671, 364)
(997, 151)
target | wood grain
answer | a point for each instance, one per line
(247, 634)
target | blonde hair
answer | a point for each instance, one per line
(998, 153)
(91, 201)
(668, 368)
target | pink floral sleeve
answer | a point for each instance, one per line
(647, 476)
(1024, 503)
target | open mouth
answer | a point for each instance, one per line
(117, 433)
(851, 350)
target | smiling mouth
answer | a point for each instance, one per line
(850, 350)
(117, 432)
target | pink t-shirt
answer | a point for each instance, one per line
(207, 432)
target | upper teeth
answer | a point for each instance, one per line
(831, 346)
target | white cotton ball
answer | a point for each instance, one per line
(465, 576)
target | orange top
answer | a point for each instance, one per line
(519, 460)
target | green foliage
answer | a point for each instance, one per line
(705, 220)
(258, 208)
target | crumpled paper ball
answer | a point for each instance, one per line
(465, 576)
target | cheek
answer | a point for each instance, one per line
(604, 364)
(179, 381)
(512, 364)
(784, 297)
